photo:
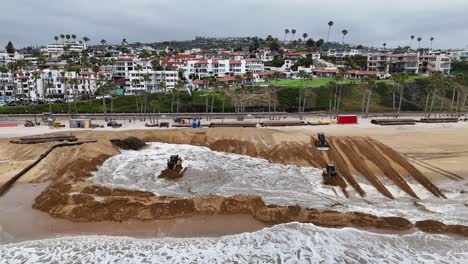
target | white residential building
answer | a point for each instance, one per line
(459, 55)
(6, 58)
(429, 64)
(168, 79)
(408, 63)
(343, 53)
(198, 69)
(58, 49)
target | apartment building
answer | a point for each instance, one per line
(57, 49)
(7, 58)
(458, 55)
(7, 85)
(408, 63)
(254, 65)
(82, 84)
(295, 56)
(159, 81)
(343, 53)
(198, 69)
(429, 64)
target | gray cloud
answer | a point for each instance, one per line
(369, 22)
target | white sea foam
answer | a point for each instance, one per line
(288, 243)
(227, 174)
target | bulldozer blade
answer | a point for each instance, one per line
(323, 148)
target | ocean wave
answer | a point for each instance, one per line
(287, 243)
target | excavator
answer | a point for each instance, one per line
(321, 143)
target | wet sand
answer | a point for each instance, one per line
(20, 222)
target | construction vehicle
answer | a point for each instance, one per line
(321, 143)
(57, 124)
(175, 163)
(114, 124)
(329, 170)
(174, 168)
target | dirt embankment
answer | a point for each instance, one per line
(72, 196)
(123, 205)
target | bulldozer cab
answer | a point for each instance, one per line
(174, 162)
(322, 143)
(331, 169)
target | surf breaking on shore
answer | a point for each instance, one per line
(287, 243)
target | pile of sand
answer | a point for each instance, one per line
(71, 194)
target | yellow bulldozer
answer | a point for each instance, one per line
(175, 163)
(174, 168)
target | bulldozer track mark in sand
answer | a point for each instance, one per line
(439, 155)
(385, 165)
(361, 167)
(435, 169)
(346, 170)
(415, 173)
(331, 156)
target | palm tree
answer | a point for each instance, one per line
(49, 86)
(330, 25)
(56, 38)
(396, 77)
(303, 76)
(344, 32)
(331, 87)
(436, 82)
(304, 36)
(401, 81)
(458, 89)
(180, 84)
(35, 76)
(86, 40)
(68, 36)
(370, 84)
(412, 38)
(286, 32)
(419, 42)
(139, 68)
(293, 32)
(103, 42)
(431, 39)
(385, 46)
(73, 37)
(124, 42)
(340, 80)
(248, 76)
(62, 36)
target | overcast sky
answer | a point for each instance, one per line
(369, 22)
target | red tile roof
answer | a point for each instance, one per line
(198, 82)
(235, 62)
(184, 56)
(226, 79)
(368, 73)
(265, 73)
(328, 71)
(124, 59)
